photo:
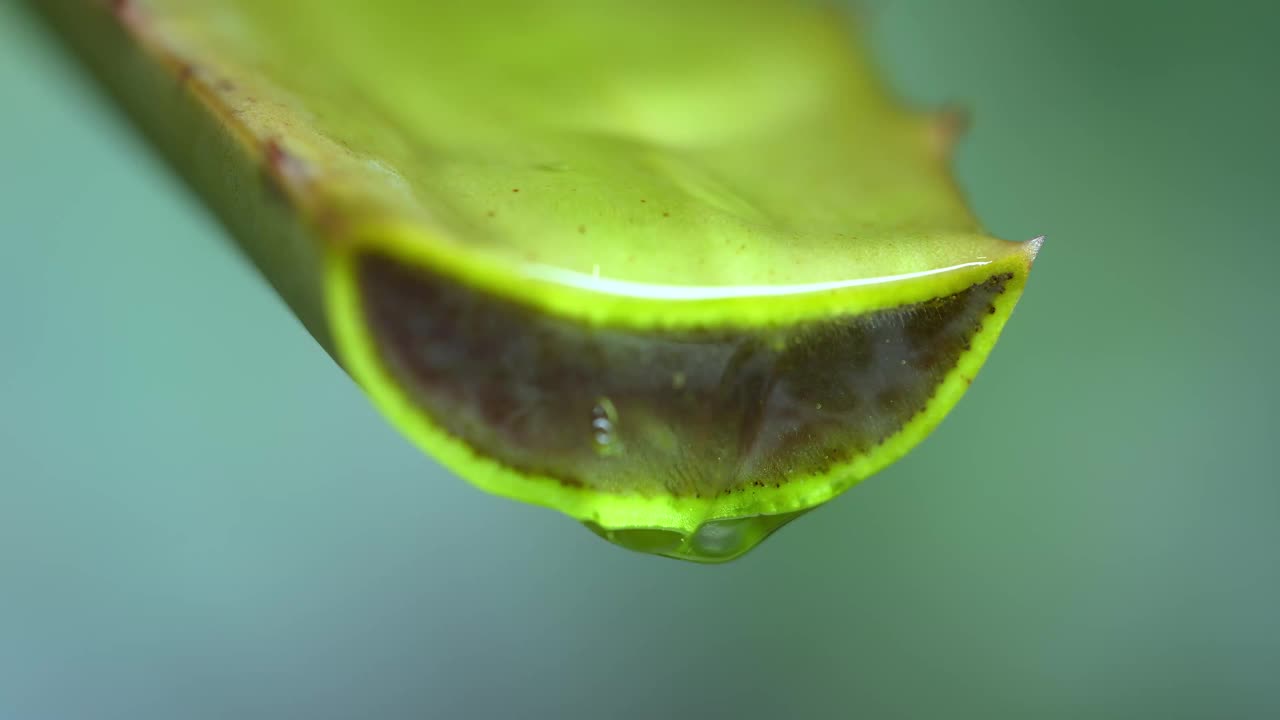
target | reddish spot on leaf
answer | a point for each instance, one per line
(126, 11)
(285, 167)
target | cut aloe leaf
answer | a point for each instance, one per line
(680, 270)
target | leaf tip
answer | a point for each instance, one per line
(1031, 249)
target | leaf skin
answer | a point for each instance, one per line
(679, 225)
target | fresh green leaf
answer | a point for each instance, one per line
(681, 270)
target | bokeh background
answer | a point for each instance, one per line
(201, 516)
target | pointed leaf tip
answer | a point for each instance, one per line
(1033, 248)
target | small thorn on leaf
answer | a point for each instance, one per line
(946, 128)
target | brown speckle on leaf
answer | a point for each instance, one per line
(330, 220)
(283, 166)
(275, 153)
(127, 12)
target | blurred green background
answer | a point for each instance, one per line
(201, 516)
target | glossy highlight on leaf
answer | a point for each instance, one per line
(680, 270)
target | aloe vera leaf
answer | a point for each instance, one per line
(681, 271)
